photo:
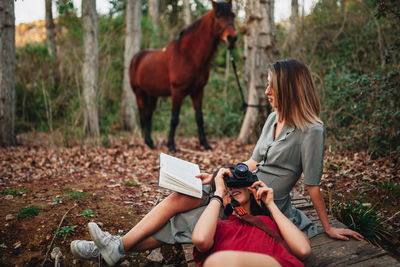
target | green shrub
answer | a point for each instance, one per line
(57, 199)
(28, 212)
(65, 231)
(363, 219)
(14, 192)
(70, 194)
(130, 183)
(389, 189)
(87, 213)
(362, 111)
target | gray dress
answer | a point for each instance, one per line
(281, 163)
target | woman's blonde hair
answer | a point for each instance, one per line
(294, 89)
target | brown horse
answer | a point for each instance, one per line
(181, 68)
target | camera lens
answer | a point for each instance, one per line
(241, 170)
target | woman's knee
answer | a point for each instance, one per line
(181, 202)
(217, 259)
(240, 258)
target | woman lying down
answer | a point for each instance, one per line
(254, 236)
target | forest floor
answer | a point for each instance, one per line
(115, 186)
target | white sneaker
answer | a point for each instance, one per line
(110, 246)
(83, 249)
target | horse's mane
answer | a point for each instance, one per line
(189, 28)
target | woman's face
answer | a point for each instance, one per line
(270, 93)
(242, 194)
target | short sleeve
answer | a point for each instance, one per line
(257, 156)
(312, 154)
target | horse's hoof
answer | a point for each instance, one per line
(150, 144)
(171, 148)
(206, 146)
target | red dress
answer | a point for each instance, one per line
(235, 234)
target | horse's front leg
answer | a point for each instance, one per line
(176, 107)
(197, 100)
(151, 105)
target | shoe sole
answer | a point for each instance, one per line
(93, 229)
(75, 252)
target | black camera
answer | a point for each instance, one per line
(241, 177)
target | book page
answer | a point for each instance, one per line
(181, 171)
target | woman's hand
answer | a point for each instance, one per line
(341, 233)
(220, 188)
(205, 178)
(264, 193)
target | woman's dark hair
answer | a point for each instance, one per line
(255, 209)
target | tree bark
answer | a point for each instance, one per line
(90, 69)
(133, 38)
(259, 52)
(50, 33)
(154, 10)
(7, 73)
(187, 14)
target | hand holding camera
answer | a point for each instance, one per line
(220, 188)
(262, 192)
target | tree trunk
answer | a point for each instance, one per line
(290, 42)
(90, 70)
(154, 11)
(51, 44)
(259, 52)
(187, 14)
(7, 73)
(133, 38)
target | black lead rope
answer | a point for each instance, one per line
(244, 105)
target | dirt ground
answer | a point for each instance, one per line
(116, 186)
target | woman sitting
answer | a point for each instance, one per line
(235, 242)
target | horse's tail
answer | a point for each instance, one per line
(134, 66)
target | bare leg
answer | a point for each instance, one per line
(147, 243)
(240, 259)
(158, 216)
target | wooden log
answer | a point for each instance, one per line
(343, 253)
(385, 260)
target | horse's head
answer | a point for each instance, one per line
(224, 22)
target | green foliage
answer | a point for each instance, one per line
(87, 213)
(65, 231)
(362, 110)
(14, 192)
(57, 199)
(70, 194)
(389, 189)
(105, 141)
(130, 183)
(363, 219)
(28, 212)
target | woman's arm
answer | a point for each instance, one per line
(297, 241)
(319, 205)
(204, 231)
(252, 164)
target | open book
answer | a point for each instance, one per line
(179, 175)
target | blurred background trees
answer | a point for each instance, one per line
(351, 46)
